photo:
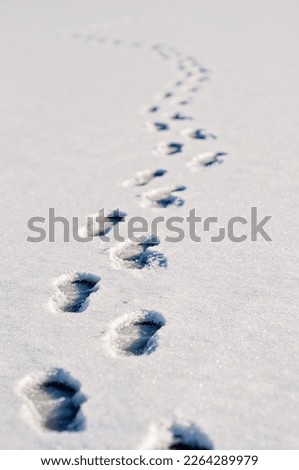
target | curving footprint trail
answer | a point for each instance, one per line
(190, 77)
(55, 399)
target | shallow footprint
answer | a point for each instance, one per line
(180, 117)
(55, 400)
(138, 255)
(153, 109)
(205, 160)
(143, 177)
(176, 436)
(199, 134)
(73, 291)
(101, 222)
(158, 126)
(136, 335)
(163, 197)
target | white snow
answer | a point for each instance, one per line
(78, 83)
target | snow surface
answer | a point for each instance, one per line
(80, 84)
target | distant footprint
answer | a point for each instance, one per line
(184, 102)
(135, 335)
(158, 126)
(73, 291)
(101, 222)
(54, 401)
(153, 109)
(163, 197)
(138, 255)
(205, 160)
(180, 117)
(169, 148)
(143, 177)
(199, 134)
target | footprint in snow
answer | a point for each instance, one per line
(169, 148)
(153, 109)
(180, 117)
(73, 291)
(135, 335)
(54, 400)
(163, 197)
(101, 222)
(141, 178)
(184, 102)
(205, 160)
(199, 134)
(187, 436)
(138, 255)
(158, 126)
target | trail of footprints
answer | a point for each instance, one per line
(54, 400)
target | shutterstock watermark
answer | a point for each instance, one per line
(106, 225)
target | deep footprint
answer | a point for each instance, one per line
(57, 401)
(138, 255)
(189, 438)
(136, 337)
(73, 291)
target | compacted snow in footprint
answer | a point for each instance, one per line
(115, 117)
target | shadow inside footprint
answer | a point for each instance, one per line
(142, 178)
(163, 197)
(181, 117)
(170, 148)
(138, 337)
(199, 134)
(57, 400)
(205, 160)
(153, 109)
(189, 438)
(161, 126)
(138, 255)
(73, 292)
(101, 223)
